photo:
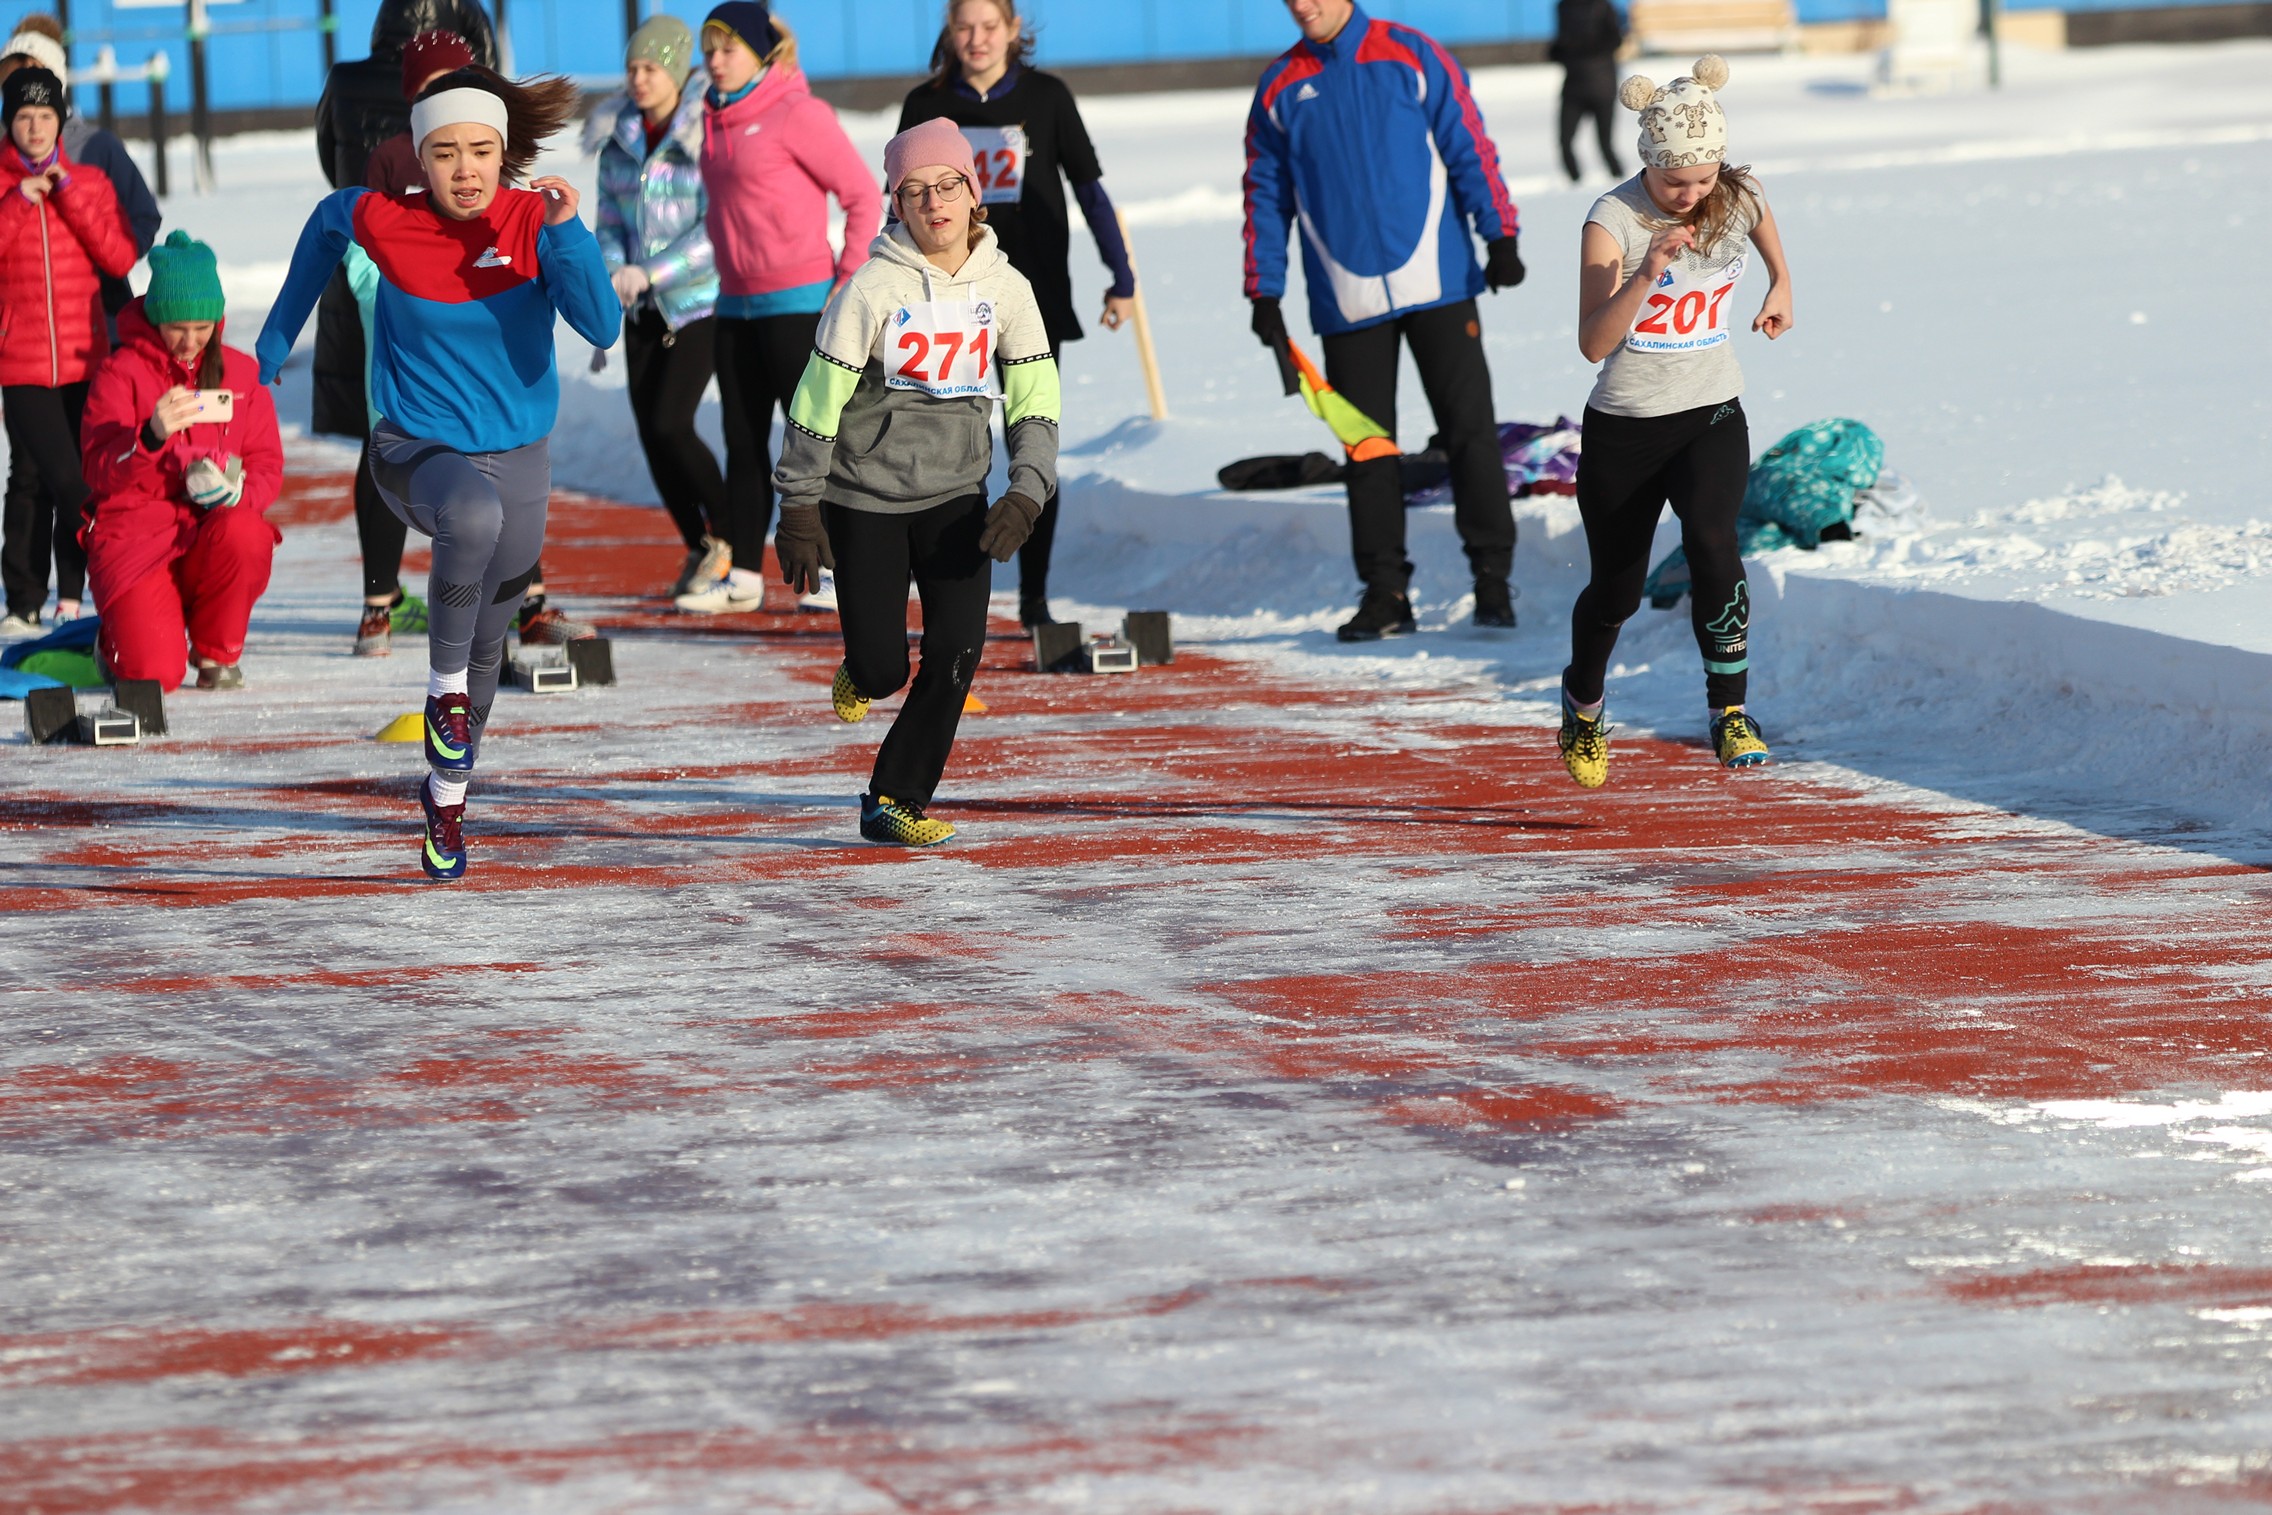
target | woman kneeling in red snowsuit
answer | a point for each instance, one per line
(177, 545)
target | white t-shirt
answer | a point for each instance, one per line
(1680, 353)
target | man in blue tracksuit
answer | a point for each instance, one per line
(1367, 134)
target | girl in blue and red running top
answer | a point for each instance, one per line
(470, 276)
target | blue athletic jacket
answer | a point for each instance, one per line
(1374, 143)
(462, 321)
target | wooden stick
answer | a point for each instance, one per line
(1145, 353)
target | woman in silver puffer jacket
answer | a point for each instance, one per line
(651, 234)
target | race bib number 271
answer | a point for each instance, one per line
(942, 347)
(1687, 311)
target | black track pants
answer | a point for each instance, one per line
(668, 372)
(759, 364)
(1590, 89)
(381, 532)
(877, 557)
(1447, 347)
(1631, 467)
(1033, 559)
(46, 492)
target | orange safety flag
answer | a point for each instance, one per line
(1361, 436)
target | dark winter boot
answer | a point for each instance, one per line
(1494, 604)
(1381, 613)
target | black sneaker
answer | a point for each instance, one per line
(1032, 613)
(1494, 604)
(1379, 614)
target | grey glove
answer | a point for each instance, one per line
(800, 545)
(214, 487)
(1008, 525)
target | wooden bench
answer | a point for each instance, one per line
(1686, 28)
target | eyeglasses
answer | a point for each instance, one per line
(949, 190)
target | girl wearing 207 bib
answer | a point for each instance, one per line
(889, 438)
(1660, 262)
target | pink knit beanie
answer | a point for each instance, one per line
(937, 141)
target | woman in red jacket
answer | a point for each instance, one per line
(60, 231)
(177, 545)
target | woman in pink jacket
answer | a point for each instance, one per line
(771, 156)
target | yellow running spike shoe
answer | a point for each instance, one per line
(1585, 747)
(846, 699)
(1738, 739)
(884, 819)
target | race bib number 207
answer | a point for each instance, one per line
(942, 347)
(1687, 311)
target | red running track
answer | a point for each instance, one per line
(1288, 1093)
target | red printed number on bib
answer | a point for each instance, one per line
(1687, 311)
(999, 154)
(942, 347)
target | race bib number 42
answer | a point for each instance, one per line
(942, 347)
(1687, 311)
(999, 154)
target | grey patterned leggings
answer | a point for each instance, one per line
(485, 512)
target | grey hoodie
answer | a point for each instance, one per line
(863, 435)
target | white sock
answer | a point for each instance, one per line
(447, 792)
(439, 683)
(1590, 712)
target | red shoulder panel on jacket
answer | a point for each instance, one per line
(422, 252)
(1382, 45)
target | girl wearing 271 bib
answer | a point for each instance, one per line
(890, 436)
(1660, 262)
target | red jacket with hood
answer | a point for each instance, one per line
(141, 517)
(52, 257)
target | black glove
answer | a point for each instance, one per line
(800, 546)
(1007, 526)
(1503, 267)
(1269, 323)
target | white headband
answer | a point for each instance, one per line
(44, 51)
(453, 106)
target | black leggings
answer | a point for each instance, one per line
(46, 492)
(668, 372)
(381, 532)
(1447, 348)
(1629, 468)
(759, 364)
(1590, 89)
(877, 556)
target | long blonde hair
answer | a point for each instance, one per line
(1734, 189)
(944, 63)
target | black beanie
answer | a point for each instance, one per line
(32, 86)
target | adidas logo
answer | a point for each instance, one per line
(1306, 92)
(491, 258)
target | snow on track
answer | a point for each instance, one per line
(1289, 1094)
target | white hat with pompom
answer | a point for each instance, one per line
(1682, 124)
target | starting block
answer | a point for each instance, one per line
(541, 672)
(1145, 641)
(137, 709)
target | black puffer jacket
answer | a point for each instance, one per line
(362, 106)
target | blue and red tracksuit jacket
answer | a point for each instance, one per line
(462, 322)
(1374, 143)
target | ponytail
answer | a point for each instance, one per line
(535, 108)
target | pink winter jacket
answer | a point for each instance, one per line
(770, 161)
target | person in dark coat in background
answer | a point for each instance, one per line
(1587, 35)
(365, 105)
(362, 106)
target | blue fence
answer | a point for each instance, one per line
(270, 53)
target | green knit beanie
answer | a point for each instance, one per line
(665, 42)
(185, 284)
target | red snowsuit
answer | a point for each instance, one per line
(161, 568)
(52, 258)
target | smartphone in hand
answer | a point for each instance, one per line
(218, 405)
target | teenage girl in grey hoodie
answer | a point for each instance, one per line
(890, 440)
